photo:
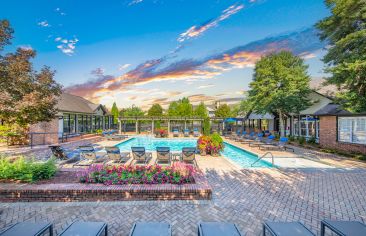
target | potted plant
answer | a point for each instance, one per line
(203, 143)
(216, 144)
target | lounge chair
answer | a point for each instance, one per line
(343, 228)
(240, 137)
(27, 229)
(163, 155)
(85, 228)
(262, 141)
(186, 133)
(140, 156)
(116, 137)
(189, 155)
(195, 132)
(286, 229)
(116, 155)
(253, 138)
(217, 229)
(88, 156)
(175, 133)
(281, 145)
(151, 229)
(63, 155)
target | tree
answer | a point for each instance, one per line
(115, 113)
(223, 111)
(132, 111)
(185, 108)
(345, 31)
(201, 111)
(173, 109)
(280, 84)
(27, 96)
(155, 110)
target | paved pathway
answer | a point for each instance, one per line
(245, 197)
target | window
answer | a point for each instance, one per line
(352, 129)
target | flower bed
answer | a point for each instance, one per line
(212, 144)
(178, 173)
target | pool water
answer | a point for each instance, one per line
(237, 155)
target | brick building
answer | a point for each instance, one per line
(75, 116)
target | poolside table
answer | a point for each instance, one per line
(78, 228)
(286, 229)
(344, 228)
(27, 229)
(217, 229)
(151, 229)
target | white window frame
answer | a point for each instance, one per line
(351, 134)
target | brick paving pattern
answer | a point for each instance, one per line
(245, 197)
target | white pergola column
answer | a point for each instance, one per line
(168, 127)
(137, 126)
(185, 124)
(152, 126)
(119, 126)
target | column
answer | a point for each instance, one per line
(168, 128)
(152, 126)
(185, 124)
(119, 126)
(137, 126)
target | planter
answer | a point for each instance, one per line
(203, 153)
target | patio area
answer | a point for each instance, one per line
(246, 197)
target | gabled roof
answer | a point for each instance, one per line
(331, 110)
(72, 103)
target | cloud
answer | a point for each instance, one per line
(162, 69)
(122, 67)
(197, 30)
(206, 86)
(134, 2)
(44, 24)
(67, 46)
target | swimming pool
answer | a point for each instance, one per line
(237, 155)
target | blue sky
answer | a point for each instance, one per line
(146, 51)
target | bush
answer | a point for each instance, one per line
(163, 133)
(291, 138)
(99, 131)
(206, 126)
(178, 173)
(26, 171)
(301, 140)
(212, 144)
(311, 140)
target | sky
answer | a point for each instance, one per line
(156, 51)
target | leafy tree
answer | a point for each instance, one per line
(155, 110)
(345, 31)
(223, 111)
(206, 126)
(115, 113)
(201, 111)
(280, 84)
(182, 108)
(27, 96)
(132, 111)
(173, 109)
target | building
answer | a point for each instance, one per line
(75, 116)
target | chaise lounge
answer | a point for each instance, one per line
(343, 228)
(189, 155)
(286, 229)
(163, 155)
(217, 229)
(27, 229)
(140, 156)
(88, 156)
(85, 228)
(151, 229)
(116, 156)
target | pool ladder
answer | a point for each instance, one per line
(265, 154)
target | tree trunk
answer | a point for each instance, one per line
(282, 128)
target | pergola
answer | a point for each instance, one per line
(153, 119)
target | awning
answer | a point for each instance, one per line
(266, 116)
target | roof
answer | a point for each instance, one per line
(331, 110)
(72, 103)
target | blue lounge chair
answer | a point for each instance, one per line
(189, 155)
(27, 229)
(217, 229)
(88, 156)
(163, 155)
(151, 229)
(86, 228)
(116, 156)
(186, 133)
(281, 145)
(253, 138)
(343, 228)
(263, 141)
(286, 229)
(195, 132)
(175, 133)
(140, 156)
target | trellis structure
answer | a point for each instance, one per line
(122, 120)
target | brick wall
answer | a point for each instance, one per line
(45, 127)
(328, 136)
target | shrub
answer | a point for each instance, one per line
(27, 171)
(311, 140)
(301, 140)
(291, 138)
(178, 173)
(99, 131)
(212, 144)
(161, 133)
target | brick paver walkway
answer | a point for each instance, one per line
(245, 197)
